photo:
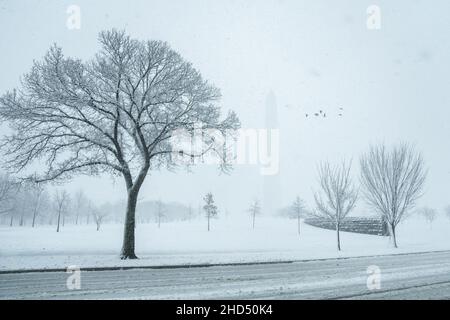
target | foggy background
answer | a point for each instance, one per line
(316, 55)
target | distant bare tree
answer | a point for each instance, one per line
(447, 211)
(160, 212)
(62, 199)
(115, 114)
(8, 190)
(429, 214)
(36, 190)
(23, 201)
(255, 210)
(43, 206)
(210, 208)
(79, 205)
(392, 181)
(98, 214)
(298, 210)
(337, 196)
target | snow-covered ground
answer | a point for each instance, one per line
(230, 241)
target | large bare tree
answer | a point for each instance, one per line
(392, 181)
(113, 114)
(337, 196)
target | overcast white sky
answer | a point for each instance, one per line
(392, 83)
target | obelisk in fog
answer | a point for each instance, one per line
(271, 183)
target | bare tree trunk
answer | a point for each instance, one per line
(394, 237)
(159, 221)
(338, 237)
(130, 224)
(34, 218)
(59, 219)
(98, 226)
(298, 222)
(254, 220)
(208, 222)
(21, 223)
(12, 220)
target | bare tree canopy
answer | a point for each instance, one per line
(337, 195)
(113, 114)
(392, 181)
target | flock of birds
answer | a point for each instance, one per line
(320, 113)
(323, 114)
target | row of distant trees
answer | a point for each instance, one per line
(25, 203)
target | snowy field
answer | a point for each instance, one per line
(230, 241)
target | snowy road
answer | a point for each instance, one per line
(413, 276)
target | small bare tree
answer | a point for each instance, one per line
(79, 205)
(190, 212)
(37, 190)
(392, 181)
(115, 114)
(298, 210)
(8, 190)
(210, 208)
(99, 214)
(160, 212)
(337, 196)
(23, 202)
(429, 214)
(255, 210)
(62, 199)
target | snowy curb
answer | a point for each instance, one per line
(208, 265)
